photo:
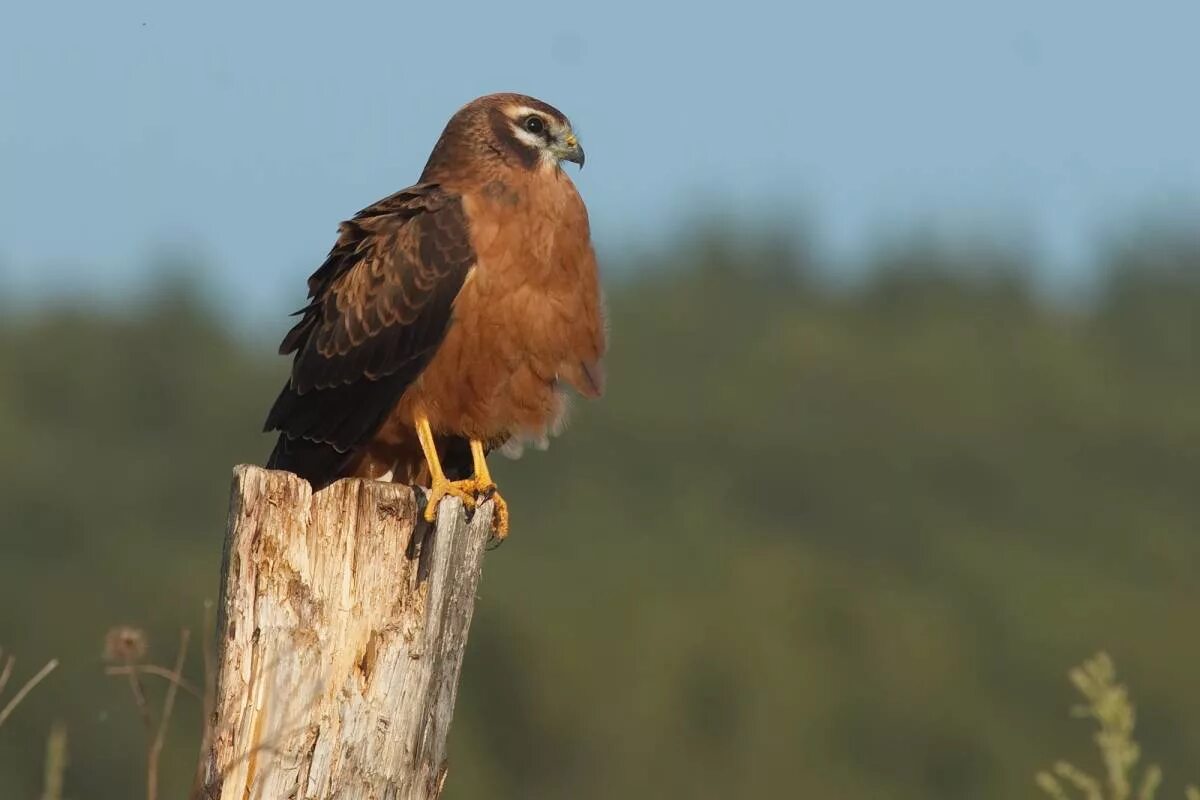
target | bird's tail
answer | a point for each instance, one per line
(322, 464)
(318, 463)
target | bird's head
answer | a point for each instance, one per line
(543, 131)
(514, 128)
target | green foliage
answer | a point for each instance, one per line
(814, 542)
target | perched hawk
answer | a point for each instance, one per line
(449, 318)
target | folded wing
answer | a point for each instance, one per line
(380, 307)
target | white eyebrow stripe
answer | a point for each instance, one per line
(556, 125)
(525, 111)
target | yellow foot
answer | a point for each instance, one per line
(488, 491)
(463, 490)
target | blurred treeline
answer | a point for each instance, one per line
(816, 542)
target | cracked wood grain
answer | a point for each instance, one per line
(340, 640)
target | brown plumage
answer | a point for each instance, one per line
(458, 307)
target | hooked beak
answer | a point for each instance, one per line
(574, 150)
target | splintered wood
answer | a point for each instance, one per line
(340, 640)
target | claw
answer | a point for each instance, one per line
(489, 491)
(479, 486)
(486, 488)
(463, 490)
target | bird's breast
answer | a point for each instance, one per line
(525, 320)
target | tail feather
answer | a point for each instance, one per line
(318, 463)
(321, 464)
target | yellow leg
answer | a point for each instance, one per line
(439, 486)
(485, 485)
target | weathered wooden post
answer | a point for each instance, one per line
(339, 640)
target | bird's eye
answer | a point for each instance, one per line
(534, 124)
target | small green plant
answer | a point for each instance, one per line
(1108, 703)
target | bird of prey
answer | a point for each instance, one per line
(449, 318)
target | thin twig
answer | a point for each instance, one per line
(139, 698)
(7, 671)
(154, 669)
(27, 688)
(168, 705)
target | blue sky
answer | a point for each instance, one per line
(244, 132)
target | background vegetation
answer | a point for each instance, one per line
(836, 542)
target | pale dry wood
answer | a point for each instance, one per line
(338, 663)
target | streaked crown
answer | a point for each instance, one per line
(514, 128)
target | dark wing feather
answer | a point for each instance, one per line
(379, 307)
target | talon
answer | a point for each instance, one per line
(472, 491)
(501, 517)
(489, 491)
(486, 487)
(463, 490)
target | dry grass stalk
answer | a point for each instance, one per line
(8, 709)
(160, 737)
(56, 762)
(207, 639)
(157, 671)
(6, 671)
(128, 646)
(1108, 703)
